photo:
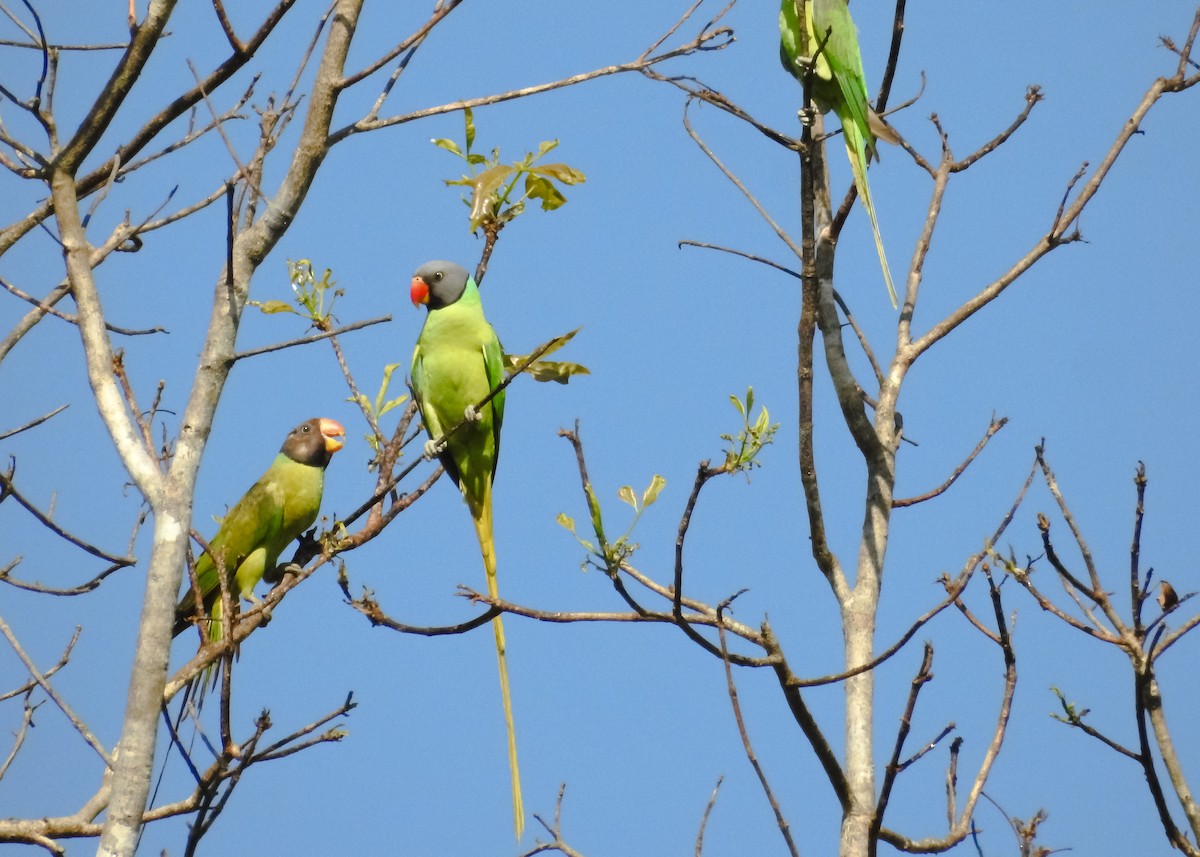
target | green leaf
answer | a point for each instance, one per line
(383, 386)
(537, 187)
(657, 483)
(560, 172)
(737, 403)
(749, 399)
(270, 307)
(625, 492)
(447, 144)
(566, 522)
(545, 146)
(475, 159)
(550, 370)
(486, 185)
(391, 403)
(469, 122)
(559, 341)
(594, 510)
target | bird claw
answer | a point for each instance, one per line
(276, 574)
(807, 116)
(471, 415)
(433, 448)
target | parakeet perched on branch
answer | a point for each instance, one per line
(280, 506)
(838, 84)
(456, 363)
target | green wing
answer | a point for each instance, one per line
(790, 47)
(493, 365)
(847, 96)
(839, 84)
(273, 513)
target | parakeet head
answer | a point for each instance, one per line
(314, 441)
(438, 284)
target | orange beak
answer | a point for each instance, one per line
(419, 291)
(334, 434)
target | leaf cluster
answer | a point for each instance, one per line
(745, 446)
(381, 404)
(609, 555)
(494, 199)
(314, 298)
(546, 370)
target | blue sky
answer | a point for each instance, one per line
(1090, 350)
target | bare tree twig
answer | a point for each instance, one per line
(994, 426)
(49, 690)
(780, 821)
(316, 337)
(708, 808)
(9, 489)
(37, 421)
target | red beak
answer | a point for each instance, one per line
(419, 292)
(334, 434)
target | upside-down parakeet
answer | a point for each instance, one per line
(838, 84)
(280, 506)
(456, 363)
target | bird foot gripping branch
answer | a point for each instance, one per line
(279, 572)
(434, 448)
(807, 116)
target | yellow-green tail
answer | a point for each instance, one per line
(483, 529)
(856, 150)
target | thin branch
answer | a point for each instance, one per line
(5, 435)
(411, 43)
(9, 489)
(954, 590)
(62, 662)
(1053, 239)
(893, 767)
(731, 689)
(305, 340)
(729, 174)
(49, 690)
(27, 710)
(47, 307)
(714, 40)
(43, 589)
(993, 426)
(708, 808)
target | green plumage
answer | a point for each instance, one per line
(457, 362)
(838, 84)
(280, 506)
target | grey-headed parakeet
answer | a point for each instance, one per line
(838, 84)
(280, 506)
(456, 363)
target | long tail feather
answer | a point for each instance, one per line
(483, 529)
(856, 151)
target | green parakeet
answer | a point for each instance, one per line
(456, 363)
(840, 85)
(280, 506)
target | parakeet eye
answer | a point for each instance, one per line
(438, 276)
